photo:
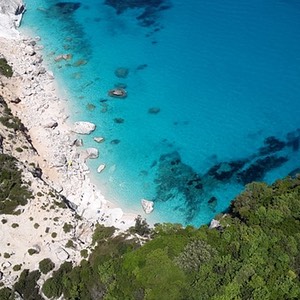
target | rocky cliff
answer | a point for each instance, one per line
(11, 12)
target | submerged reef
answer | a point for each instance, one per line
(66, 8)
(150, 9)
(176, 180)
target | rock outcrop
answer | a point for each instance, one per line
(83, 127)
(11, 12)
(147, 205)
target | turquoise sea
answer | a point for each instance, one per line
(213, 95)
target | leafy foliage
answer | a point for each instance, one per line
(5, 68)
(46, 265)
(12, 190)
(27, 285)
(254, 256)
(141, 227)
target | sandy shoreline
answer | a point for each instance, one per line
(46, 117)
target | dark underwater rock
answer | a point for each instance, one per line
(150, 13)
(115, 142)
(295, 172)
(154, 110)
(225, 170)
(271, 145)
(119, 120)
(212, 203)
(257, 170)
(176, 179)
(293, 140)
(67, 7)
(122, 72)
(141, 67)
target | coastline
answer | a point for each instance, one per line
(46, 227)
(45, 114)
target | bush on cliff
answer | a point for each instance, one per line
(5, 68)
(13, 192)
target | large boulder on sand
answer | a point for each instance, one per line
(61, 254)
(83, 127)
(91, 153)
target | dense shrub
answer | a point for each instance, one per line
(13, 192)
(27, 285)
(5, 68)
(46, 265)
(253, 255)
(6, 294)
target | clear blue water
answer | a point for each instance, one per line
(224, 75)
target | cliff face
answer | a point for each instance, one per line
(11, 12)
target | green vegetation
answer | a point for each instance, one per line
(17, 267)
(46, 265)
(53, 235)
(31, 251)
(141, 227)
(67, 227)
(70, 244)
(84, 253)
(6, 255)
(6, 294)
(13, 192)
(255, 254)
(9, 120)
(102, 233)
(5, 68)
(27, 285)
(14, 225)
(36, 225)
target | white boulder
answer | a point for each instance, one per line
(61, 254)
(90, 153)
(147, 205)
(214, 224)
(99, 139)
(83, 127)
(101, 168)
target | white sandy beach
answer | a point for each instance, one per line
(45, 114)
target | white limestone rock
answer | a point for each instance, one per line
(99, 139)
(147, 205)
(101, 168)
(11, 12)
(90, 153)
(61, 254)
(83, 127)
(214, 224)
